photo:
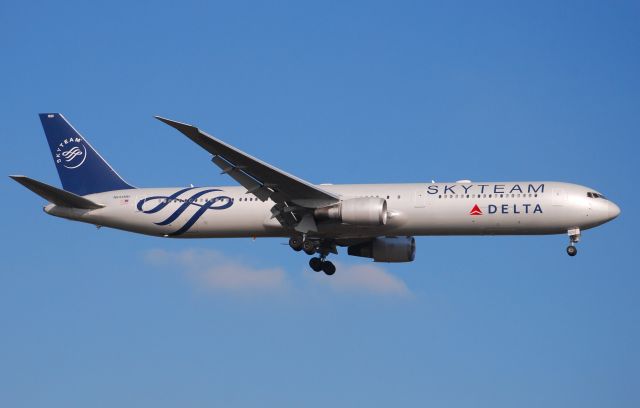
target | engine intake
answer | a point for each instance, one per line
(365, 211)
(386, 249)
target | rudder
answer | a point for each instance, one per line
(81, 169)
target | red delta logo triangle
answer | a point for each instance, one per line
(476, 210)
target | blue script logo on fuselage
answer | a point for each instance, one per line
(217, 203)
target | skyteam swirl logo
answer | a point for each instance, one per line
(195, 200)
(71, 153)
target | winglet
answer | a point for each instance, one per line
(55, 195)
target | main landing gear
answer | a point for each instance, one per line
(310, 247)
(320, 264)
(574, 237)
(296, 243)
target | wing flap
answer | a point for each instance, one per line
(252, 185)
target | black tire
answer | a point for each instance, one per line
(315, 264)
(572, 250)
(309, 247)
(295, 243)
(328, 267)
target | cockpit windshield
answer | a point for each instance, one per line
(591, 194)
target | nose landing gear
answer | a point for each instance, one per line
(574, 237)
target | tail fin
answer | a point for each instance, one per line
(81, 169)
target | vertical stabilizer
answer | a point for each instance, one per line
(81, 169)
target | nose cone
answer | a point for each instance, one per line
(613, 210)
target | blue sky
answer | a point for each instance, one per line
(350, 92)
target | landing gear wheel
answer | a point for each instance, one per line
(295, 243)
(315, 264)
(328, 268)
(574, 238)
(309, 247)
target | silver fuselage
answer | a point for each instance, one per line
(503, 208)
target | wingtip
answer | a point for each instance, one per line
(170, 122)
(18, 178)
(161, 119)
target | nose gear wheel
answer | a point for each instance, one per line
(574, 237)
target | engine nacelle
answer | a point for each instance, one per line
(386, 249)
(365, 211)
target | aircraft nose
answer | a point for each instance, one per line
(613, 210)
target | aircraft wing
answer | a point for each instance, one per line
(259, 178)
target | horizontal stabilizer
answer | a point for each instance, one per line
(56, 195)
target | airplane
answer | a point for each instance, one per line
(377, 221)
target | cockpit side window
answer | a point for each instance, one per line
(595, 195)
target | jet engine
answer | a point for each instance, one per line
(386, 249)
(365, 211)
